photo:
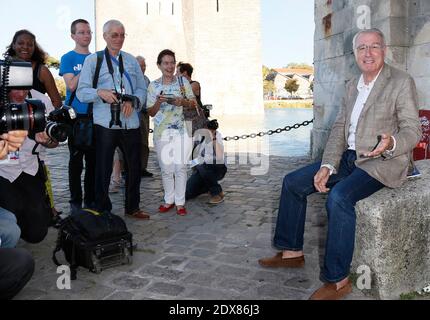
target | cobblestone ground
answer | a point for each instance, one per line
(211, 253)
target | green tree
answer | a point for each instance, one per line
(268, 85)
(266, 72)
(291, 86)
(53, 62)
(299, 66)
(268, 88)
(61, 87)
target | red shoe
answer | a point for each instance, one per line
(164, 209)
(181, 211)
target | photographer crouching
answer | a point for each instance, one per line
(22, 181)
(16, 264)
(209, 165)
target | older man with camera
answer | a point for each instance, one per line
(117, 93)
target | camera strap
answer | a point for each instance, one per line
(182, 87)
(120, 64)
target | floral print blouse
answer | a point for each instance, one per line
(169, 116)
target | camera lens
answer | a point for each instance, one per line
(115, 110)
(26, 116)
(57, 132)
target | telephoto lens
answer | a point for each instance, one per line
(27, 116)
(115, 111)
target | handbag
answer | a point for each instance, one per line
(195, 118)
(83, 134)
(82, 137)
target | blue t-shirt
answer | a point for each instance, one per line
(72, 62)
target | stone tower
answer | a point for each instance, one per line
(220, 38)
(406, 26)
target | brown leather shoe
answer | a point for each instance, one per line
(329, 292)
(139, 215)
(277, 262)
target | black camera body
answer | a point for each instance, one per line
(207, 110)
(30, 115)
(60, 123)
(115, 108)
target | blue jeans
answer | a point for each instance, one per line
(205, 178)
(348, 186)
(106, 142)
(9, 230)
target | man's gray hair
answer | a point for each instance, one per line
(111, 23)
(139, 58)
(373, 30)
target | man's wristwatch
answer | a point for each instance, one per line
(388, 153)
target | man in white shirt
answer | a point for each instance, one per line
(369, 147)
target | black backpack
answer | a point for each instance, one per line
(94, 240)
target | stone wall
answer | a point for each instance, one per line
(406, 25)
(223, 45)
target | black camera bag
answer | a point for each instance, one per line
(83, 129)
(94, 240)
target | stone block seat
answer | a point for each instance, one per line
(393, 236)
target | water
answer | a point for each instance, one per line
(293, 143)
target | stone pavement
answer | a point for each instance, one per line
(211, 253)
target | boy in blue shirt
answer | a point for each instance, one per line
(70, 68)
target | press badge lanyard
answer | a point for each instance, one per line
(120, 64)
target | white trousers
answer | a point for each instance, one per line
(173, 154)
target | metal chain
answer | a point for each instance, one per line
(268, 133)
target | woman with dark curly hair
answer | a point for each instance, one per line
(25, 47)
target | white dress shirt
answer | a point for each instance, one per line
(363, 94)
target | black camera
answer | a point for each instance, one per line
(115, 108)
(207, 110)
(60, 122)
(212, 124)
(26, 116)
(30, 115)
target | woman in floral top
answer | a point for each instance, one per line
(171, 141)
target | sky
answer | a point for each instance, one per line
(287, 26)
